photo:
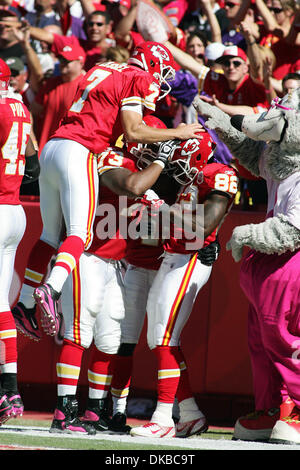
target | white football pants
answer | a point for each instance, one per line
(68, 191)
(93, 305)
(13, 224)
(172, 296)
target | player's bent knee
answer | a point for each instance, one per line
(108, 345)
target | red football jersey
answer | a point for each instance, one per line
(15, 125)
(109, 240)
(215, 177)
(145, 252)
(94, 119)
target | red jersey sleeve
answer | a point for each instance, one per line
(113, 158)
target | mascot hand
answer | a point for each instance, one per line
(217, 119)
(238, 240)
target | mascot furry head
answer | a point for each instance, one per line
(268, 145)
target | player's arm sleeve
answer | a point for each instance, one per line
(142, 96)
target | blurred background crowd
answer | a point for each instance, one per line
(240, 55)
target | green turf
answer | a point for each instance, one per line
(68, 443)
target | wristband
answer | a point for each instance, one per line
(160, 163)
(251, 43)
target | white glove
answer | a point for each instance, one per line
(239, 238)
(150, 198)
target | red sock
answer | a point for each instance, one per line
(38, 261)
(69, 253)
(121, 376)
(168, 372)
(184, 390)
(69, 364)
(100, 372)
(8, 338)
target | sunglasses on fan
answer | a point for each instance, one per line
(235, 63)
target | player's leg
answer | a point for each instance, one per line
(75, 170)
(170, 303)
(137, 282)
(50, 205)
(78, 337)
(107, 336)
(192, 420)
(10, 237)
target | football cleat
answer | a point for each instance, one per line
(47, 299)
(96, 414)
(153, 430)
(287, 428)
(66, 419)
(256, 426)
(15, 400)
(6, 409)
(26, 322)
(190, 428)
(118, 424)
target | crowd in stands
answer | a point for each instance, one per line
(239, 54)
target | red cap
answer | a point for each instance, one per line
(72, 52)
(232, 51)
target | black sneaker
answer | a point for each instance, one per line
(26, 322)
(97, 414)
(118, 424)
(66, 418)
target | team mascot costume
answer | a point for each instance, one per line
(268, 145)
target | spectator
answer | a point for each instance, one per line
(48, 59)
(43, 14)
(234, 13)
(195, 46)
(56, 95)
(116, 10)
(290, 82)
(18, 80)
(126, 33)
(198, 20)
(97, 27)
(279, 26)
(235, 91)
(9, 44)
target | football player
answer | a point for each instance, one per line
(110, 100)
(92, 297)
(184, 270)
(18, 163)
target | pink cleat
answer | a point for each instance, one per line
(47, 298)
(6, 409)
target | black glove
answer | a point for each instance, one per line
(32, 169)
(166, 150)
(209, 254)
